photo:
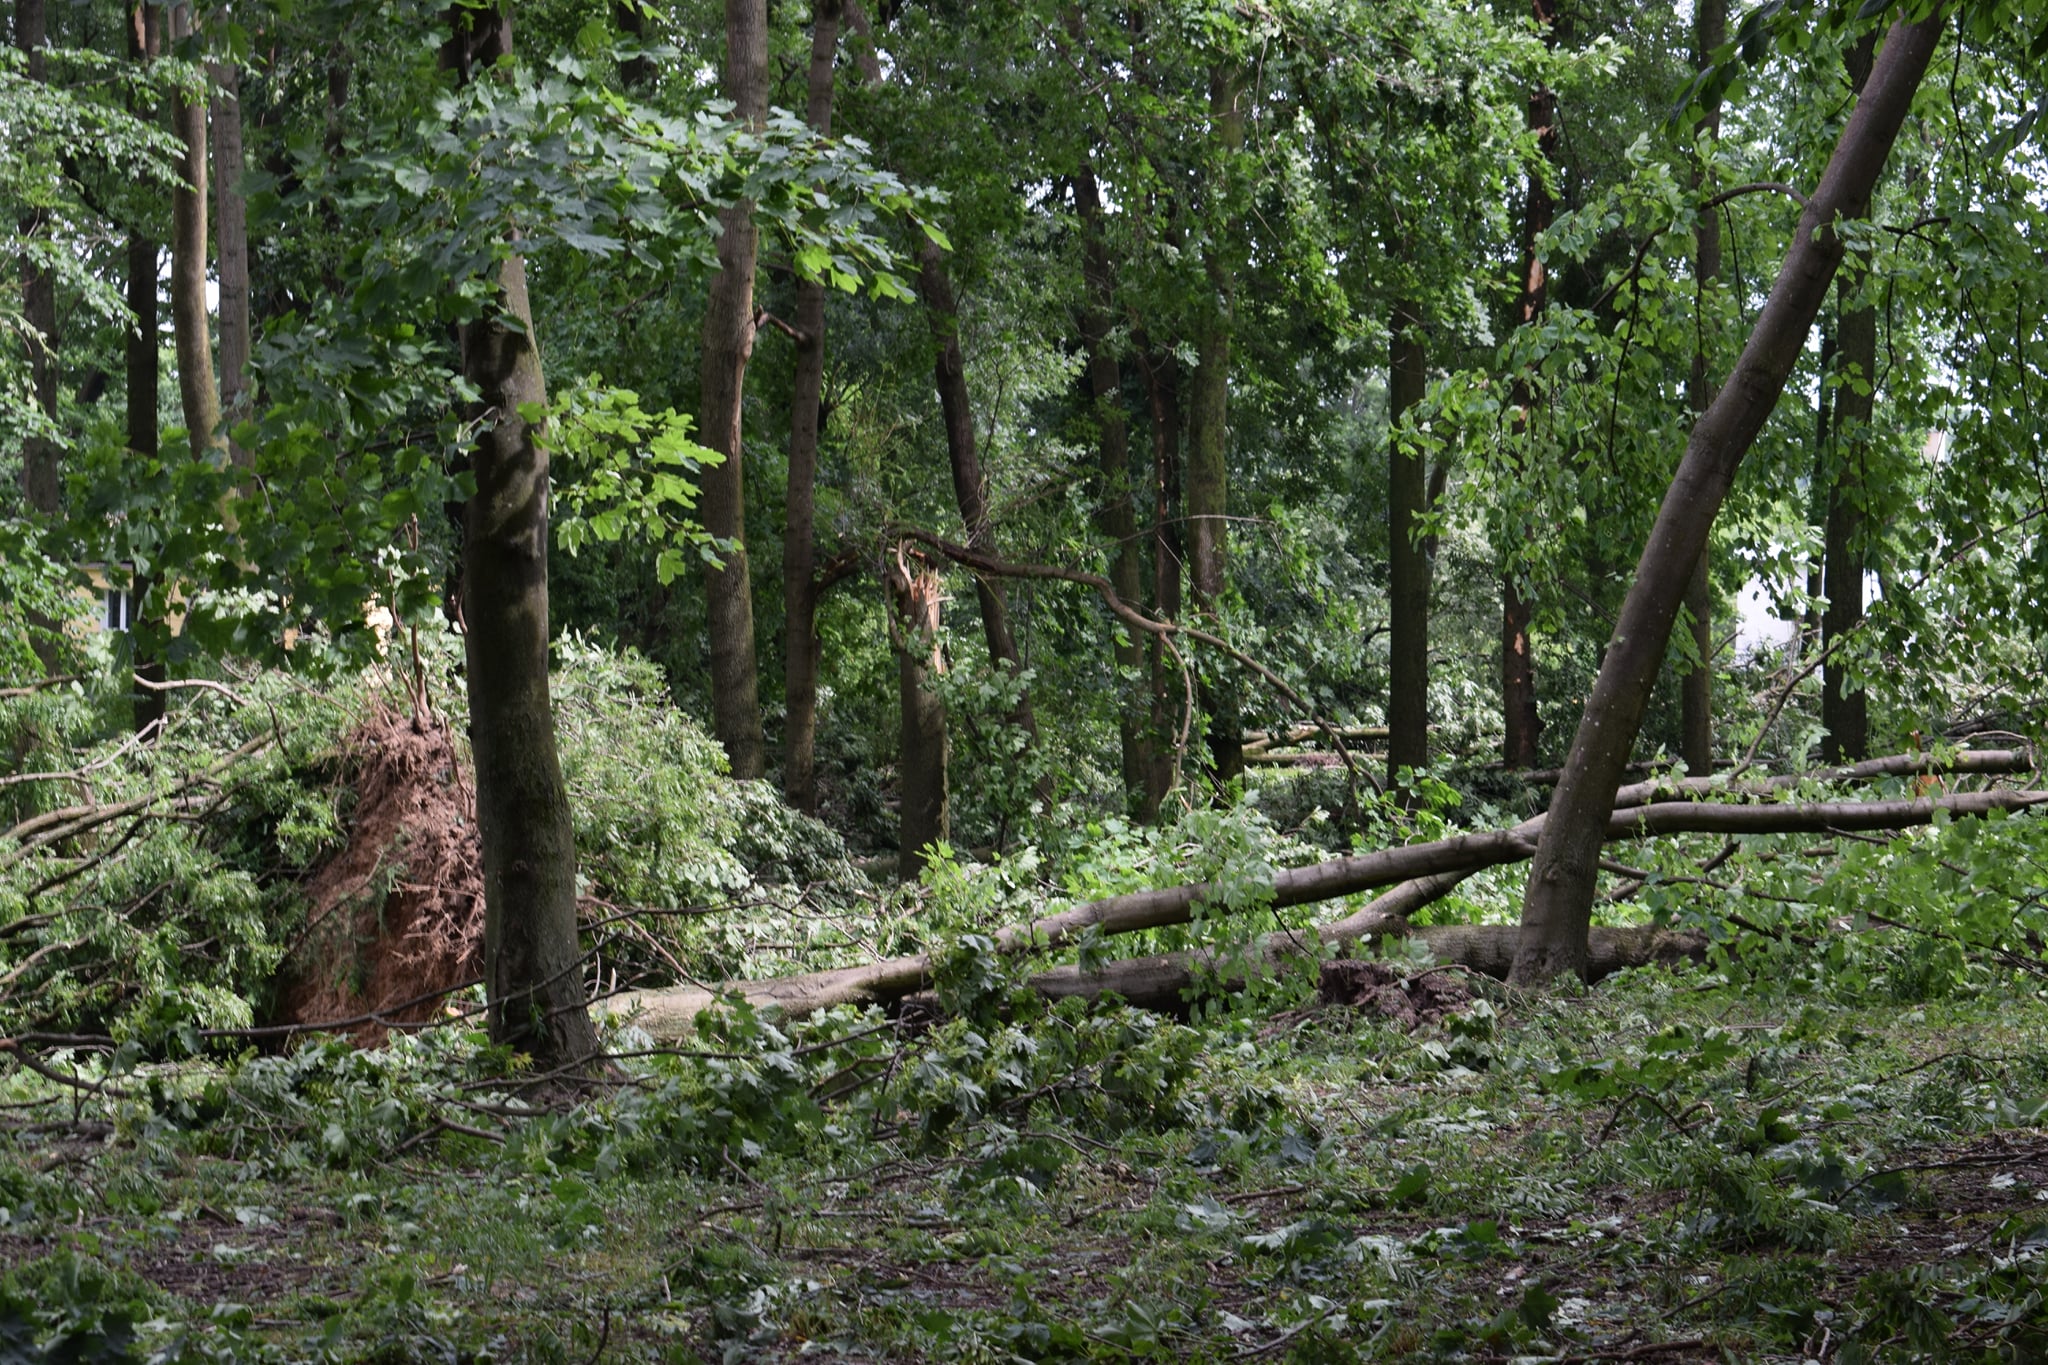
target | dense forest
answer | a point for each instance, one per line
(904, 680)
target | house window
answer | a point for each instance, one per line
(120, 613)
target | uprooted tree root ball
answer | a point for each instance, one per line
(398, 913)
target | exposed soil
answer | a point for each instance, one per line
(397, 914)
(1376, 988)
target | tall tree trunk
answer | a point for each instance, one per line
(41, 472)
(196, 391)
(949, 373)
(1557, 906)
(1118, 517)
(1696, 689)
(630, 19)
(533, 981)
(728, 345)
(231, 234)
(1817, 493)
(1162, 391)
(145, 42)
(918, 590)
(799, 536)
(1208, 472)
(1407, 556)
(1520, 722)
(1845, 713)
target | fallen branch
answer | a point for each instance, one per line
(672, 1011)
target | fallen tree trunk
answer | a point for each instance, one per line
(1165, 981)
(671, 1010)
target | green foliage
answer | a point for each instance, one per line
(618, 471)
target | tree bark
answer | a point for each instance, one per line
(196, 391)
(1520, 724)
(800, 654)
(635, 73)
(1696, 688)
(1557, 905)
(728, 343)
(918, 592)
(533, 979)
(1817, 496)
(949, 376)
(1117, 517)
(141, 362)
(231, 234)
(1845, 708)
(1419, 872)
(1208, 458)
(1407, 556)
(1162, 393)
(41, 470)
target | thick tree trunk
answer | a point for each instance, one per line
(196, 391)
(1557, 906)
(1117, 517)
(1419, 872)
(918, 592)
(1162, 390)
(1696, 689)
(728, 343)
(1845, 708)
(41, 472)
(800, 653)
(949, 376)
(533, 979)
(140, 354)
(1407, 556)
(231, 234)
(635, 73)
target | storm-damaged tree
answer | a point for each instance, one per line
(1557, 907)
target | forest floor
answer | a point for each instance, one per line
(1662, 1168)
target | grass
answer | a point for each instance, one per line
(1657, 1169)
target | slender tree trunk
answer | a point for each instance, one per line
(145, 42)
(41, 472)
(1557, 906)
(1696, 689)
(1520, 722)
(1817, 493)
(1162, 391)
(799, 537)
(918, 591)
(533, 980)
(231, 233)
(1407, 556)
(949, 373)
(199, 397)
(728, 344)
(1118, 517)
(1845, 709)
(1208, 473)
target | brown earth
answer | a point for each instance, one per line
(396, 917)
(1376, 988)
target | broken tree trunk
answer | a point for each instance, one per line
(1639, 813)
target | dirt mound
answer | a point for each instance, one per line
(1376, 988)
(398, 913)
